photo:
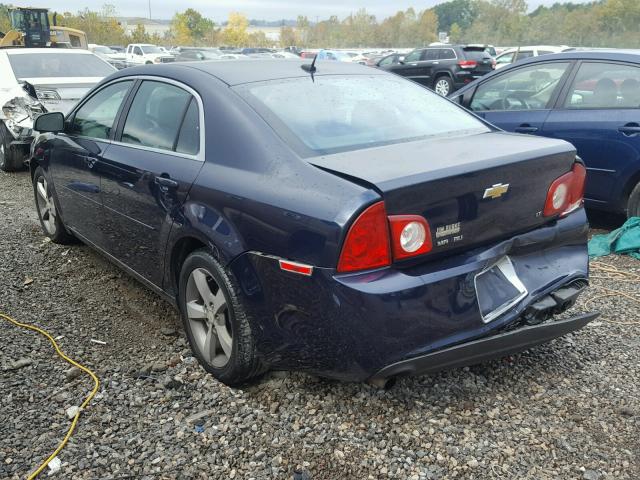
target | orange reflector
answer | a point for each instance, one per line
(295, 267)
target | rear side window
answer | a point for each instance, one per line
(335, 113)
(605, 85)
(95, 118)
(189, 136)
(447, 54)
(155, 115)
(526, 88)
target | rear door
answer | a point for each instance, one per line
(76, 165)
(520, 99)
(149, 169)
(599, 113)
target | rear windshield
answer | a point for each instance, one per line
(476, 53)
(336, 113)
(49, 65)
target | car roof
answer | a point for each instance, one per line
(257, 70)
(604, 54)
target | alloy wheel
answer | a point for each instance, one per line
(442, 87)
(208, 316)
(46, 206)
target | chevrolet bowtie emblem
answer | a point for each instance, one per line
(496, 190)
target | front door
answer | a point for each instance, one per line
(148, 173)
(78, 154)
(600, 115)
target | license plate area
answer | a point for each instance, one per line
(498, 288)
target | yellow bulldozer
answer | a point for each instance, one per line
(30, 27)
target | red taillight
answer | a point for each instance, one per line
(566, 192)
(367, 243)
(410, 236)
(467, 63)
(374, 239)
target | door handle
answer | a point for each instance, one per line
(526, 128)
(630, 129)
(413, 64)
(166, 182)
(436, 63)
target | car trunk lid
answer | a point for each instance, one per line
(472, 190)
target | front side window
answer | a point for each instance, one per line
(413, 56)
(505, 59)
(96, 117)
(339, 112)
(137, 51)
(527, 88)
(387, 61)
(155, 115)
(522, 54)
(605, 85)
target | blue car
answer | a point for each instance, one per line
(299, 220)
(589, 98)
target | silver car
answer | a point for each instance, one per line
(37, 80)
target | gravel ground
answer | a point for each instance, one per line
(568, 410)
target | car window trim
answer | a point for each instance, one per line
(72, 116)
(554, 95)
(200, 156)
(561, 102)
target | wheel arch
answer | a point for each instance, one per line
(179, 251)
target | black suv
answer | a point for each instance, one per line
(444, 68)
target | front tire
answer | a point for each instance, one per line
(215, 321)
(443, 86)
(9, 161)
(48, 214)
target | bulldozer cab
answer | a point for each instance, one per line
(34, 25)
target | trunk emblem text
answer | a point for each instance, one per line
(496, 190)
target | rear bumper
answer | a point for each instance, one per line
(351, 327)
(481, 350)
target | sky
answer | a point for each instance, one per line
(218, 10)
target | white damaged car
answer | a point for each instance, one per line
(38, 80)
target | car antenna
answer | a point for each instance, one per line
(311, 68)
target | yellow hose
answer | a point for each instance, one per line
(84, 404)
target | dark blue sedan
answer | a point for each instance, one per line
(589, 98)
(301, 220)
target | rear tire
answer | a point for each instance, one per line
(443, 85)
(633, 204)
(9, 161)
(48, 214)
(215, 321)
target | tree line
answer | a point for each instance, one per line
(610, 23)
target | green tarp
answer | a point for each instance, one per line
(624, 240)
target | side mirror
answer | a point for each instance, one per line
(400, 62)
(49, 122)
